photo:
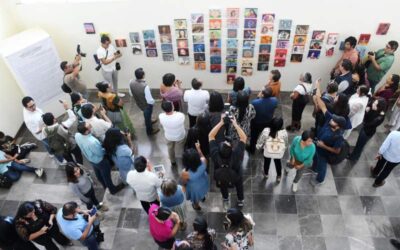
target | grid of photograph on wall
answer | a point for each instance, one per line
(331, 44)
(249, 40)
(232, 24)
(199, 47)
(149, 38)
(317, 40)
(299, 43)
(215, 25)
(134, 37)
(166, 43)
(182, 42)
(282, 43)
(264, 52)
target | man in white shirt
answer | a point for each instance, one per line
(144, 182)
(197, 100)
(34, 123)
(173, 124)
(99, 126)
(108, 55)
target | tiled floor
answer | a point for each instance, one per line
(345, 213)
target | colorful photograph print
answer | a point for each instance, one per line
(166, 38)
(247, 71)
(299, 40)
(298, 49)
(383, 28)
(296, 58)
(268, 18)
(248, 53)
(183, 52)
(168, 57)
(232, 13)
(231, 69)
(232, 52)
(265, 48)
(200, 66)
(215, 34)
(280, 54)
(315, 44)
(215, 13)
(166, 48)
(318, 35)
(215, 24)
(198, 48)
(215, 68)
(134, 37)
(266, 39)
(199, 57)
(250, 13)
(183, 60)
(249, 44)
(181, 34)
(215, 43)
(302, 29)
(180, 24)
(282, 44)
(313, 54)
(89, 28)
(231, 43)
(263, 58)
(136, 49)
(215, 60)
(164, 29)
(232, 23)
(148, 34)
(262, 66)
(215, 52)
(247, 63)
(197, 18)
(285, 24)
(151, 53)
(267, 28)
(250, 23)
(332, 39)
(330, 49)
(231, 61)
(283, 34)
(120, 42)
(364, 39)
(232, 33)
(182, 43)
(197, 28)
(150, 44)
(249, 34)
(230, 78)
(198, 39)
(279, 62)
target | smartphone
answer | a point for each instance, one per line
(61, 101)
(93, 211)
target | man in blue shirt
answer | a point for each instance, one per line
(75, 227)
(388, 158)
(95, 153)
(329, 138)
(265, 107)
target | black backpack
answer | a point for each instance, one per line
(335, 159)
(5, 182)
(225, 176)
(58, 144)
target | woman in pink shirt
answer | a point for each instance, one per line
(171, 91)
(349, 53)
(164, 225)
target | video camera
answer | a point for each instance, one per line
(79, 52)
(97, 60)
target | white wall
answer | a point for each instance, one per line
(64, 22)
(10, 93)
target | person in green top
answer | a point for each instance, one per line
(379, 63)
(302, 152)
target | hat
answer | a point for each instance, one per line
(235, 216)
(340, 120)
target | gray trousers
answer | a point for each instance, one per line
(299, 173)
(175, 146)
(111, 77)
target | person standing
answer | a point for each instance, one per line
(349, 53)
(171, 90)
(173, 124)
(72, 78)
(108, 55)
(99, 127)
(34, 123)
(197, 100)
(379, 63)
(388, 158)
(238, 85)
(357, 103)
(344, 79)
(144, 100)
(163, 224)
(274, 83)
(394, 122)
(240, 230)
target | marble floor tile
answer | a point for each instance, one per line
(333, 225)
(372, 205)
(310, 225)
(313, 243)
(287, 225)
(290, 243)
(337, 243)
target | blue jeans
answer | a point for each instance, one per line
(362, 140)
(102, 171)
(46, 145)
(319, 165)
(14, 171)
(147, 118)
(91, 242)
(372, 85)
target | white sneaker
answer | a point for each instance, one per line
(25, 161)
(63, 163)
(39, 172)
(121, 95)
(294, 187)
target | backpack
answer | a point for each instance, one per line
(306, 97)
(5, 182)
(335, 159)
(58, 144)
(225, 176)
(274, 148)
(65, 88)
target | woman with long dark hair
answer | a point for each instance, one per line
(215, 109)
(170, 90)
(238, 85)
(199, 133)
(119, 147)
(240, 230)
(244, 112)
(203, 237)
(389, 88)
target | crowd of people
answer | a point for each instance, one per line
(220, 132)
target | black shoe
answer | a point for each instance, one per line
(395, 243)
(154, 131)
(378, 185)
(250, 150)
(118, 188)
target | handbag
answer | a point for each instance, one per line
(117, 66)
(5, 182)
(274, 148)
(115, 117)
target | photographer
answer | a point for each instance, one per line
(80, 225)
(378, 63)
(71, 76)
(107, 54)
(227, 157)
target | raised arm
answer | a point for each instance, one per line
(321, 105)
(214, 131)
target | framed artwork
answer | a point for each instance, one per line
(89, 28)
(383, 28)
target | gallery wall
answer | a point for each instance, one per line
(64, 22)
